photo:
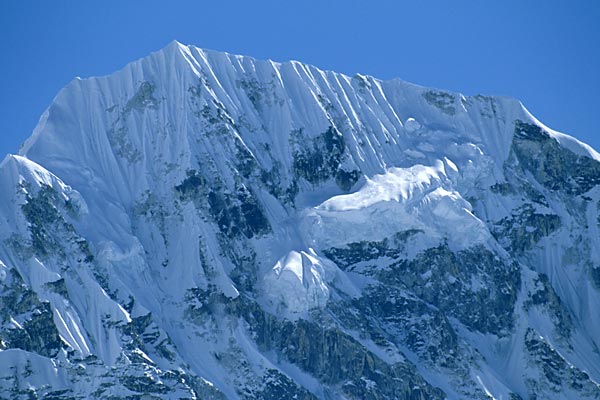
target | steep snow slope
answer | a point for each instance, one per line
(205, 225)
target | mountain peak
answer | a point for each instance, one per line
(205, 225)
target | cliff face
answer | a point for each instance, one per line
(207, 225)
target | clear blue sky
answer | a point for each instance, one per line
(546, 53)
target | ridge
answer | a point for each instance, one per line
(205, 225)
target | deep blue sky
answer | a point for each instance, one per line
(546, 53)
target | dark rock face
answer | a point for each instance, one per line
(524, 228)
(553, 166)
(556, 371)
(442, 100)
(472, 285)
(323, 160)
(336, 358)
(396, 317)
(42, 213)
(475, 281)
(412, 305)
(235, 214)
(279, 386)
(37, 332)
(546, 297)
(220, 195)
(356, 252)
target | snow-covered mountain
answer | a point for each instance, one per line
(206, 225)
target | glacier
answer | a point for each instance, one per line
(211, 226)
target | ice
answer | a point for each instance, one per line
(116, 155)
(297, 282)
(411, 125)
(419, 197)
(398, 184)
(3, 271)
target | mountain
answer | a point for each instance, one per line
(206, 225)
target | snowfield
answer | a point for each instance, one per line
(211, 226)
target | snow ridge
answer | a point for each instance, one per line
(207, 225)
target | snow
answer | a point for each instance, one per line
(569, 142)
(3, 271)
(419, 197)
(42, 369)
(398, 184)
(419, 168)
(411, 125)
(297, 282)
